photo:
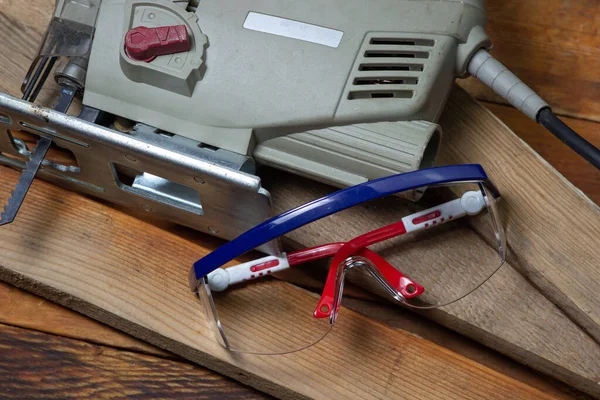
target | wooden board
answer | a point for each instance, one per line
(87, 256)
(552, 45)
(112, 277)
(31, 16)
(553, 230)
(36, 365)
(578, 171)
(506, 314)
(22, 309)
(398, 318)
(25, 310)
(525, 181)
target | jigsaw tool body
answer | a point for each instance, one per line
(181, 100)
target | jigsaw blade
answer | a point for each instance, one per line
(29, 172)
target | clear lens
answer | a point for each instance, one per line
(454, 254)
(449, 244)
(464, 253)
(267, 315)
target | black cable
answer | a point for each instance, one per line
(569, 137)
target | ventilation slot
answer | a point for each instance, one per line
(396, 54)
(208, 147)
(381, 94)
(403, 42)
(386, 81)
(390, 67)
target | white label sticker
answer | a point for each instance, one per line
(293, 29)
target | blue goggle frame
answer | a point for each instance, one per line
(331, 204)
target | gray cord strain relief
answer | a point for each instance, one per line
(506, 84)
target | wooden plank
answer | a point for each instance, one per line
(552, 229)
(22, 309)
(34, 21)
(400, 318)
(554, 46)
(506, 314)
(38, 365)
(578, 171)
(563, 264)
(25, 310)
(137, 283)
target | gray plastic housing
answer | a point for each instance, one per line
(316, 65)
(349, 155)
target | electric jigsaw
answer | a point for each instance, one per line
(180, 101)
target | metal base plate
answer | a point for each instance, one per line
(112, 164)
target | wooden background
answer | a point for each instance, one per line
(48, 351)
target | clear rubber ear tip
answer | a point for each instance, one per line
(210, 312)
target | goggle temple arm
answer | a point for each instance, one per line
(222, 278)
(328, 205)
(470, 203)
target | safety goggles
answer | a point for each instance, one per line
(423, 254)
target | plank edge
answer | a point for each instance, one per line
(519, 354)
(546, 286)
(204, 359)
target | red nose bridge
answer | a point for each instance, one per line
(145, 44)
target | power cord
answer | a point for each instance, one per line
(568, 136)
(495, 75)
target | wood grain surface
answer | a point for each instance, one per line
(553, 46)
(38, 365)
(30, 21)
(507, 313)
(399, 318)
(22, 309)
(24, 22)
(578, 171)
(118, 286)
(553, 231)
